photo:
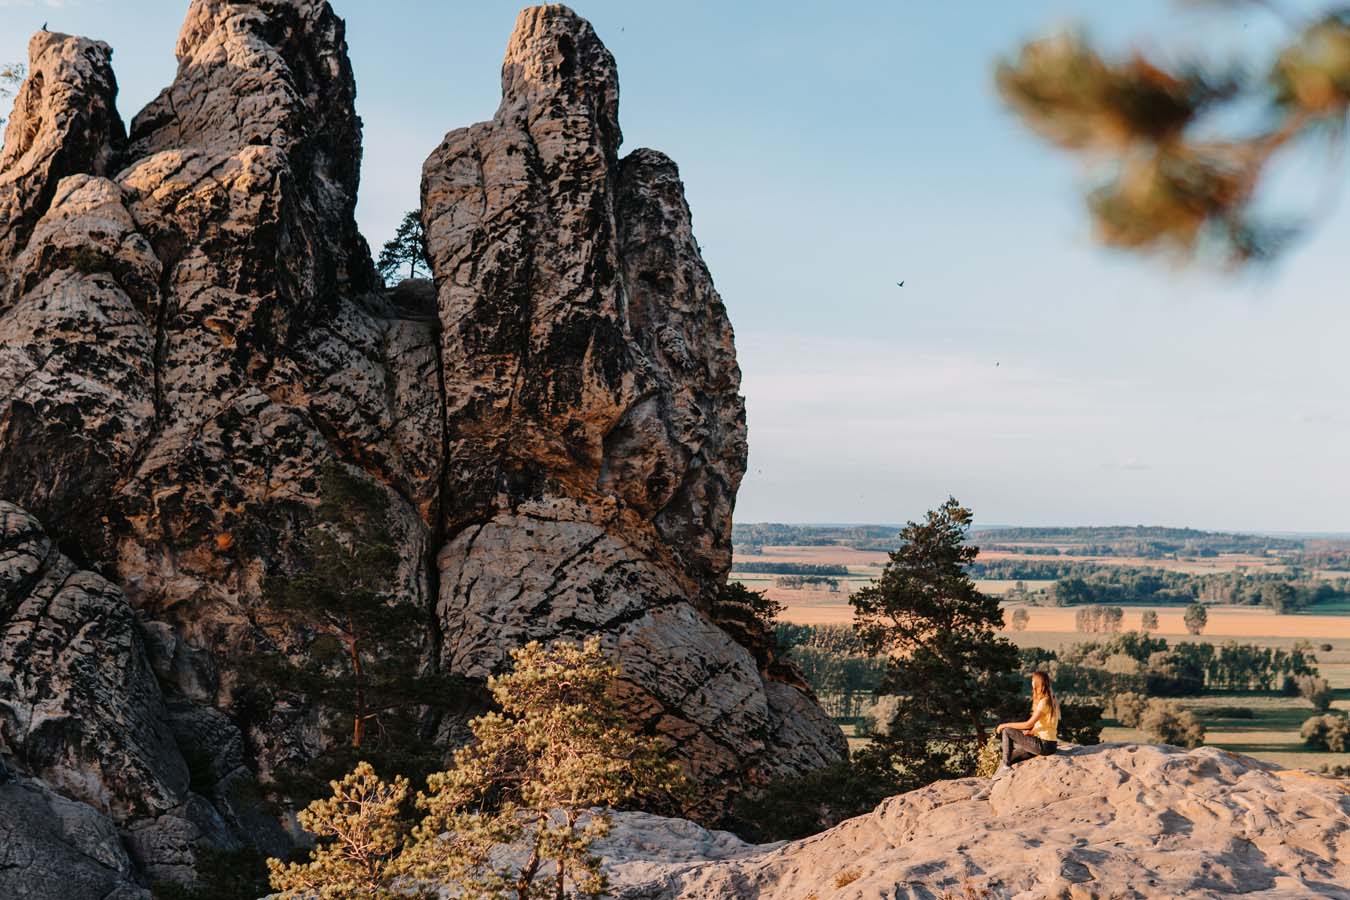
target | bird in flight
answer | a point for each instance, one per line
(899, 284)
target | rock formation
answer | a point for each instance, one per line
(595, 432)
(1110, 821)
(191, 328)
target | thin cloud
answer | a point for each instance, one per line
(1128, 465)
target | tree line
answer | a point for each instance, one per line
(1087, 583)
(791, 568)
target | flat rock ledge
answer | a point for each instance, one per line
(1108, 821)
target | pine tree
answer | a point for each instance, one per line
(358, 651)
(529, 781)
(947, 665)
(1181, 164)
(408, 247)
(360, 832)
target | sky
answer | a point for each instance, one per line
(831, 150)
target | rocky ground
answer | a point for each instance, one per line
(1110, 821)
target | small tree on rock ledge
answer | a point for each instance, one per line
(408, 247)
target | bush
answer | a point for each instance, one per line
(1080, 723)
(991, 754)
(876, 719)
(1165, 721)
(803, 805)
(1316, 691)
(1327, 732)
(1127, 708)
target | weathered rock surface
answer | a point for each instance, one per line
(52, 848)
(595, 432)
(65, 122)
(81, 709)
(1110, 821)
(191, 328)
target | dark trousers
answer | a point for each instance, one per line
(1018, 747)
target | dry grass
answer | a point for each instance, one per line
(846, 877)
(969, 891)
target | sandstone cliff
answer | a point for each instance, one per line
(595, 433)
(1111, 821)
(191, 328)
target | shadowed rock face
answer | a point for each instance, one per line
(80, 708)
(191, 327)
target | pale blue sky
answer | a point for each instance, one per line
(830, 150)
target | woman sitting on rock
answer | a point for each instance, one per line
(1036, 736)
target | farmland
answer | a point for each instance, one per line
(1271, 732)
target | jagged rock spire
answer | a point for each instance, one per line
(596, 435)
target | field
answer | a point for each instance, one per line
(1271, 734)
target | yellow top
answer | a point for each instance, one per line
(1044, 721)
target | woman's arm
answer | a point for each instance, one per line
(1036, 712)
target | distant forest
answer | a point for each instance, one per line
(752, 536)
(790, 568)
(1146, 541)
(1085, 582)
(1137, 540)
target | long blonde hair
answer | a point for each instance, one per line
(1040, 687)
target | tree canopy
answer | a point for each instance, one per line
(947, 665)
(514, 816)
(408, 247)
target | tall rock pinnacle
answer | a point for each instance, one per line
(596, 436)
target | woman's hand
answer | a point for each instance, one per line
(1001, 726)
